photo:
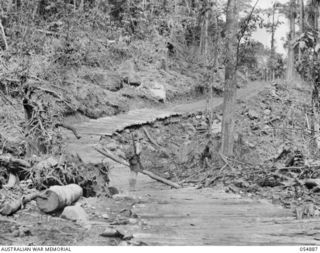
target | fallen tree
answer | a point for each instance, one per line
(13, 206)
(117, 159)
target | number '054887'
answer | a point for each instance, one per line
(310, 249)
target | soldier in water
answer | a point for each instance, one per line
(132, 154)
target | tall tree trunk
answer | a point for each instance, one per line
(316, 84)
(273, 29)
(216, 41)
(215, 66)
(302, 16)
(204, 35)
(302, 22)
(318, 17)
(204, 32)
(314, 16)
(292, 34)
(230, 78)
(3, 39)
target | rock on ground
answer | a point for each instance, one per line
(75, 213)
(158, 91)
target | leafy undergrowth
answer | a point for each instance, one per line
(84, 64)
(275, 151)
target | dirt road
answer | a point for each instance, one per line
(92, 130)
(189, 216)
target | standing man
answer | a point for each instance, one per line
(132, 153)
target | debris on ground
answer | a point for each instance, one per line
(24, 180)
(274, 152)
(70, 169)
(20, 231)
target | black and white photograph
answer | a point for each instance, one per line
(159, 123)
